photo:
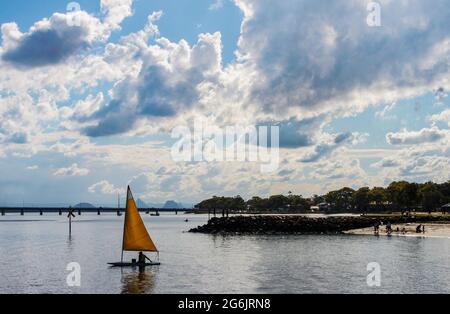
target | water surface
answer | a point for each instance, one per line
(35, 251)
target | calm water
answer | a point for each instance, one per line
(35, 250)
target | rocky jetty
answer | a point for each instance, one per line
(300, 224)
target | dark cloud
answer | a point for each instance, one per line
(311, 53)
(160, 91)
(46, 47)
(325, 149)
(295, 133)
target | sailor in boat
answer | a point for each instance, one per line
(142, 259)
(135, 236)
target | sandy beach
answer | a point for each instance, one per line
(432, 230)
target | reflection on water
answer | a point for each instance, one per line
(140, 281)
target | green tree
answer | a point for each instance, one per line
(431, 197)
(341, 200)
(361, 199)
(378, 195)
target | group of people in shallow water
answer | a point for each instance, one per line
(389, 230)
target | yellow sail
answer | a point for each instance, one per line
(135, 235)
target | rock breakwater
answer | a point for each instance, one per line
(301, 224)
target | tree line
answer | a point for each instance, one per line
(399, 196)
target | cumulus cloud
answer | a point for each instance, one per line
(296, 133)
(73, 171)
(50, 41)
(172, 79)
(53, 40)
(326, 148)
(299, 65)
(429, 135)
(316, 56)
(444, 116)
(303, 60)
(105, 187)
(115, 11)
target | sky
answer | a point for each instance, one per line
(91, 93)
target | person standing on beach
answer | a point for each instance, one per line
(423, 229)
(388, 228)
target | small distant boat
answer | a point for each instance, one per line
(135, 236)
(155, 215)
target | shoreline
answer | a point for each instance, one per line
(432, 230)
(272, 225)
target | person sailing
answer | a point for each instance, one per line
(142, 259)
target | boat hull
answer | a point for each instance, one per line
(127, 264)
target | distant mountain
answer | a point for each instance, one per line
(168, 205)
(172, 205)
(84, 206)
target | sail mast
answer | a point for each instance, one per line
(125, 220)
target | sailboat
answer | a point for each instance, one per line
(135, 236)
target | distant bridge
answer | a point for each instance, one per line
(80, 211)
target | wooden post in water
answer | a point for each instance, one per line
(41, 212)
(118, 207)
(98, 212)
(70, 215)
(21, 212)
(79, 212)
(60, 212)
(3, 212)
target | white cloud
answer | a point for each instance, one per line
(116, 11)
(331, 143)
(105, 187)
(300, 65)
(444, 116)
(72, 171)
(430, 135)
(313, 57)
